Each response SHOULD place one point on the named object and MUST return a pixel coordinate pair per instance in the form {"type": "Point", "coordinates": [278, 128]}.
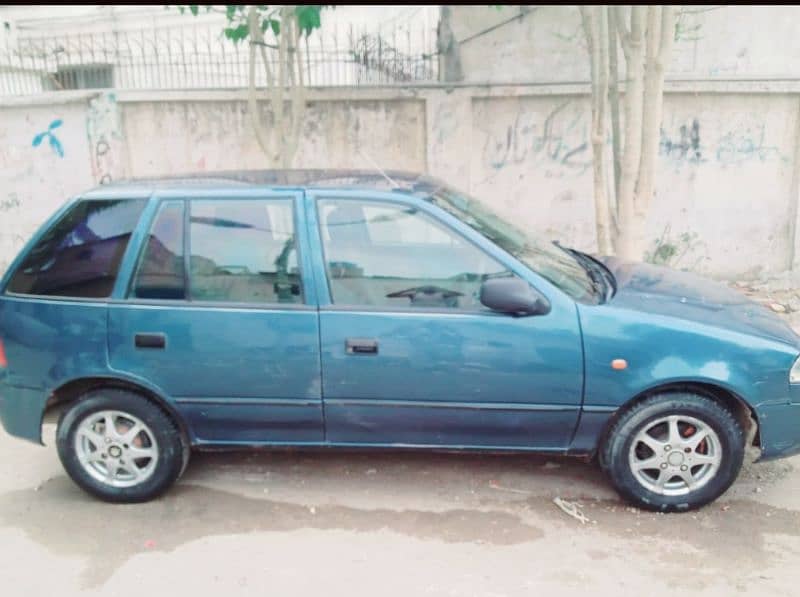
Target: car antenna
{"type": "Point", "coordinates": [378, 168]}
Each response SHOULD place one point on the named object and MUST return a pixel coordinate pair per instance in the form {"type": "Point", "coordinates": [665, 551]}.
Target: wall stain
{"type": "Point", "coordinates": [104, 132]}
{"type": "Point", "coordinates": [10, 202]}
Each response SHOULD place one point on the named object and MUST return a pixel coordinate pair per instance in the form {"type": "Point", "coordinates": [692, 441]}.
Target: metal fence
{"type": "Point", "coordinates": [195, 58]}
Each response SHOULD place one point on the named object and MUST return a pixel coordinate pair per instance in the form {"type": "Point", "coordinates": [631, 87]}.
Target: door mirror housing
{"type": "Point", "coordinates": [513, 296]}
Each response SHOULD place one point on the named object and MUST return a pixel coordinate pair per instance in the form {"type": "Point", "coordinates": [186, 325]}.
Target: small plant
{"type": "Point", "coordinates": [670, 252]}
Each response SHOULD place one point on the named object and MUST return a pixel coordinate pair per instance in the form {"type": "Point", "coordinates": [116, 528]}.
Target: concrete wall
{"type": "Point", "coordinates": [546, 43]}
{"type": "Point", "coordinates": [727, 182]}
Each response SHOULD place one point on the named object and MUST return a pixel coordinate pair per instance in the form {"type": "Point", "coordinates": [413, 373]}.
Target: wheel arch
{"type": "Point", "coordinates": [724, 396]}
{"type": "Point", "coordinates": [72, 390]}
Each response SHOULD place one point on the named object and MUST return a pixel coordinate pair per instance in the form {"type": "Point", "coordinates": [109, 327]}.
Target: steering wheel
{"type": "Point", "coordinates": [430, 296]}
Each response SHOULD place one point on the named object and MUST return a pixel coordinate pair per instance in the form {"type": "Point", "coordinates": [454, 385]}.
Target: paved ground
{"type": "Point", "coordinates": [326, 523]}
{"type": "Point", "coordinates": [392, 523]}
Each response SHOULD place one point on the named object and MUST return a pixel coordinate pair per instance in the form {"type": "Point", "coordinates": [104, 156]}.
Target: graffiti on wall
{"type": "Point", "coordinates": [50, 135]}
{"type": "Point", "coordinates": [105, 138]}
{"type": "Point", "coordinates": [560, 139]}
{"type": "Point", "coordinates": [736, 147]}
{"type": "Point", "coordinates": [685, 146]}
{"type": "Point", "coordinates": [732, 148]}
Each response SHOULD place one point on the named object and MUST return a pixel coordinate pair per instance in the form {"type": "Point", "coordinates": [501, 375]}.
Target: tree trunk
{"type": "Point", "coordinates": [660, 25]}
{"type": "Point", "coordinates": [280, 142]}
{"type": "Point", "coordinates": [631, 240]}
{"type": "Point", "coordinates": [595, 23]}
{"type": "Point", "coordinates": [252, 98]}
{"type": "Point", "coordinates": [613, 95]}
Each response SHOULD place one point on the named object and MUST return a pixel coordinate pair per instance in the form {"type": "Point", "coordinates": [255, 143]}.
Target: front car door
{"type": "Point", "coordinates": [410, 356]}
{"type": "Point", "coordinates": [221, 317]}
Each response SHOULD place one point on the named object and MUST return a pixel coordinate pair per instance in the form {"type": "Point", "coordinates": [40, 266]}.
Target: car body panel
{"type": "Point", "coordinates": [519, 380]}
{"type": "Point", "coordinates": [253, 373]}
{"type": "Point", "coordinates": [657, 290]}
{"type": "Point", "coordinates": [47, 343]}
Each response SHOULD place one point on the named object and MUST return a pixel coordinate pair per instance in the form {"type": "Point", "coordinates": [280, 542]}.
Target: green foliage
{"type": "Point", "coordinates": [237, 29]}
{"type": "Point", "coordinates": [671, 252]}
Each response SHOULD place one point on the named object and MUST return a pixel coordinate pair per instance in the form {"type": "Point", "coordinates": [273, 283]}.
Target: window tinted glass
{"type": "Point", "coordinates": [391, 255]}
{"type": "Point", "coordinates": [80, 255]}
{"type": "Point", "coordinates": [160, 274]}
{"type": "Point", "coordinates": [244, 251]}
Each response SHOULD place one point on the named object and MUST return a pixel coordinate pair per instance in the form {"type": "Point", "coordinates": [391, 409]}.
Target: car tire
{"type": "Point", "coordinates": [673, 452]}
{"type": "Point", "coordinates": [120, 447]}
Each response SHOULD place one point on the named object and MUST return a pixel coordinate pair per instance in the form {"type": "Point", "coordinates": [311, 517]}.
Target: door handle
{"type": "Point", "coordinates": [150, 340]}
{"type": "Point", "coordinates": [361, 346]}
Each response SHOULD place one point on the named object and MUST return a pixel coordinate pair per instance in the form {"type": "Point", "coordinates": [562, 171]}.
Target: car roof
{"type": "Point", "coordinates": [420, 185]}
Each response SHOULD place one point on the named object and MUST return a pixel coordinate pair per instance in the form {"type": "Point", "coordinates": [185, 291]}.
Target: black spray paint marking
{"type": "Point", "coordinates": [685, 147]}
{"type": "Point", "coordinates": [523, 143]}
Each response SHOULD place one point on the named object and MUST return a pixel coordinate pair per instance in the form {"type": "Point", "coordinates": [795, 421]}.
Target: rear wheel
{"type": "Point", "coordinates": [674, 452]}
{"type": "Point", "coordinates": [120, 447]}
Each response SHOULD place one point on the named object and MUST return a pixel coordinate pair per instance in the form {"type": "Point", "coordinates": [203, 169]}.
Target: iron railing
{"type": "Point", "coordinates": [202, 58]}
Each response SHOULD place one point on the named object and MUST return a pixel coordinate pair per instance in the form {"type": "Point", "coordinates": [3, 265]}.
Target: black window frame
{"type": "Point", "coordinates": [130, 290]}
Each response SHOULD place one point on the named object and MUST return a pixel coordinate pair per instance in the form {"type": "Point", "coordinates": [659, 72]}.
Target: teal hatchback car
{"type": "Point", "coordinates": [362, 310]}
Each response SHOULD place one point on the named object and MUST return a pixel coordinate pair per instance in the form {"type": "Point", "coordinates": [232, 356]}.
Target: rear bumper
{"type": "Point", "coordinates": [779, 427]}
{"type": "Point", "coordinates": [21, 411]}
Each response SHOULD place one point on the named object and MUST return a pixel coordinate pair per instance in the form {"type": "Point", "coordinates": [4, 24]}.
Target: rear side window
{"type": "Point", "coordinates": [79, 256]}
{"type": "Point", "coordinates": [244, 251]}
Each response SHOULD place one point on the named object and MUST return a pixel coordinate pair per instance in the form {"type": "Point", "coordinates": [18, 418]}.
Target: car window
{"type": "Point", "coordinates": [80, 255]}
{"type": "Point", "coordinates": [244, 251]}
{"type": "Point", "coordinates": [160, 274]}
{"type": "Point", "coordinates": [380, 254]}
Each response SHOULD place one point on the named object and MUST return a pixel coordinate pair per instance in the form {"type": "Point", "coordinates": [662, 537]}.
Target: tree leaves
{"type": "Point", "coordinates": [238, 33]}
{"type": "Point", "coordinates": [308, 17]}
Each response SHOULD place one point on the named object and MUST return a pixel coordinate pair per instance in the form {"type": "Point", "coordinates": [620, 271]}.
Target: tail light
{"type": "Point", "coordinates": [3, 360]}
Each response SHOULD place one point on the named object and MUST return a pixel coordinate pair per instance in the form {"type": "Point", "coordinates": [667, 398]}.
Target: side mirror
{"type": "Point", "coordinates": [513, 296]}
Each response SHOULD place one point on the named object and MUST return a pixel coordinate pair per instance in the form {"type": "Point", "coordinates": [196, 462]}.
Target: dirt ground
{"type": "Point", "coordinates": [391, 523]}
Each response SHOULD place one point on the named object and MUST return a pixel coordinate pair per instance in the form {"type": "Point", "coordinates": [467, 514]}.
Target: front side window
{"type": "Point", "coordinates": [389, 255]}
{"type": "Point", "coordinates": [551, 262]}
{"type": "Point", "coordinates": [80, 255]}
{"type": "Point", "coordinates": [244, 251]}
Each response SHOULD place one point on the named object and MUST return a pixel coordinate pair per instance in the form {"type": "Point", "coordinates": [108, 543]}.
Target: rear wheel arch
{"type": "Point", "coordinates": [73, 390]}
{"type": "Point", "coordinates": [744, 412]}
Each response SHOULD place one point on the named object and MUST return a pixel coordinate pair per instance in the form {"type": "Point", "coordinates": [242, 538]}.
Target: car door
{"type": "Point", "coordinates": [221, 317]}
{"type": "Point", "coordinates": [409, 354]}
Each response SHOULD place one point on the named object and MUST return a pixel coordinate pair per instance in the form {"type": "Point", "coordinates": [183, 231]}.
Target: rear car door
{"type": "Point", "coordinates": [221, 317]}
{"type": "Point", "coordinates": [409, 354]}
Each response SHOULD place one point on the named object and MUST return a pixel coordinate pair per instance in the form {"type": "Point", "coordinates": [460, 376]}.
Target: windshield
{"type": "Point", "coordinates": [548, 260]}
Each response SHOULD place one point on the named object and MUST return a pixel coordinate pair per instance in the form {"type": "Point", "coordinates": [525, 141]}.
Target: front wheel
{"type": "Point", "coordinates": [674, 452]}
{"type": "Point", "coordinates": [120, 447]}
